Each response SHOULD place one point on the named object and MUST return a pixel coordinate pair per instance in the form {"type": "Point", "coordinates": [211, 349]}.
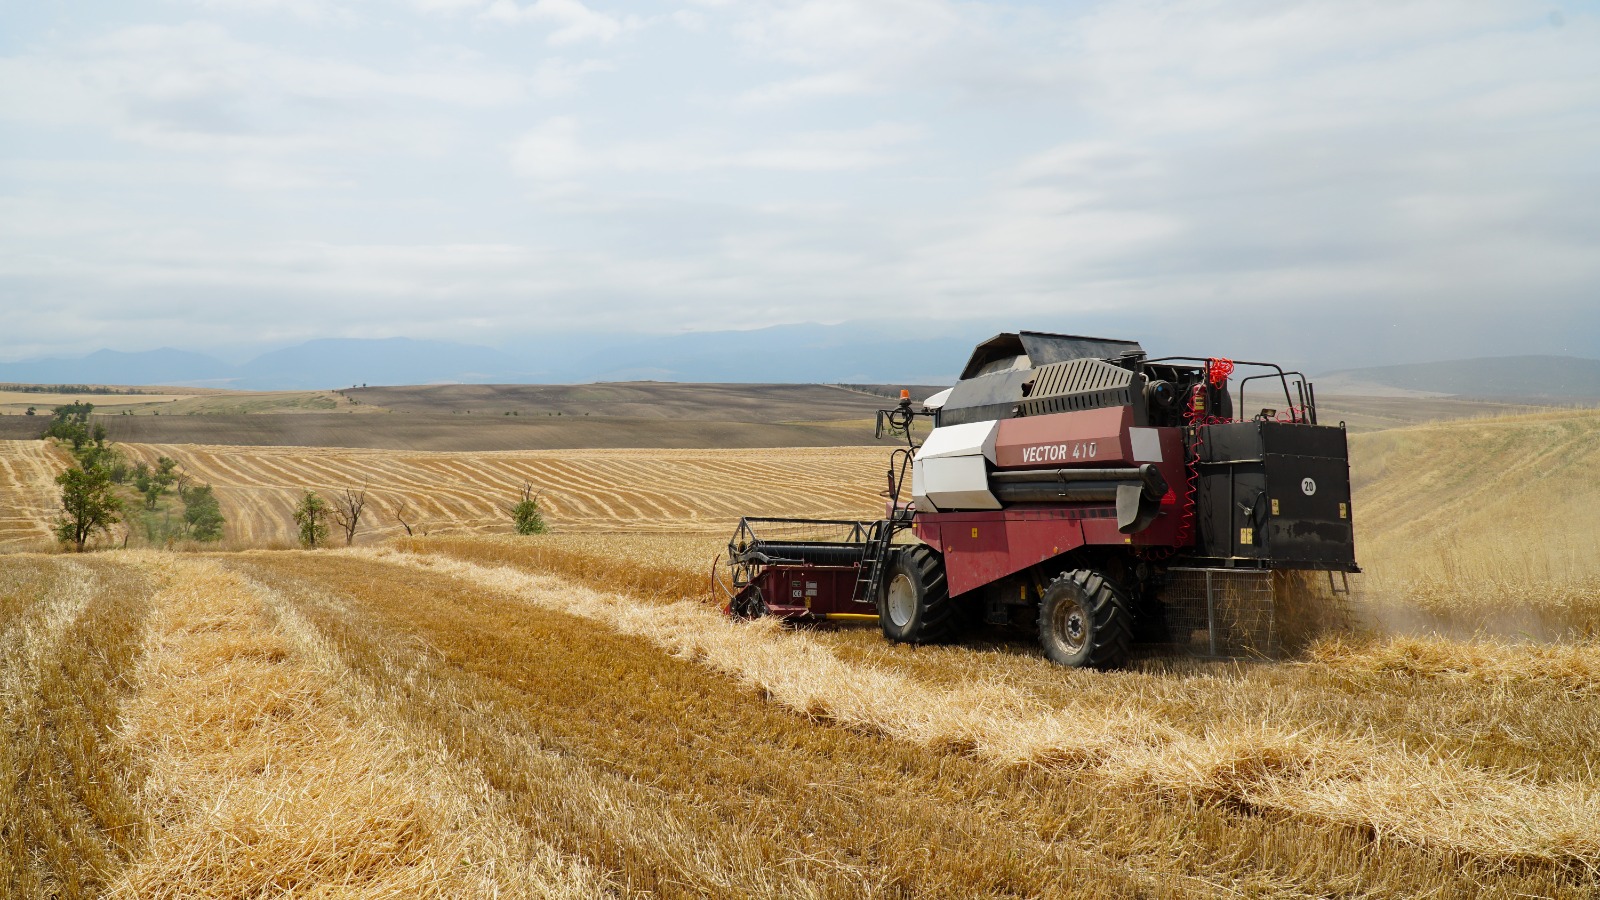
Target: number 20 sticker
{"type": "Point", "coordinates": [1308, 486]}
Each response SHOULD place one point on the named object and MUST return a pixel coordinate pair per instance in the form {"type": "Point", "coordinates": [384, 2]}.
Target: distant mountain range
{"type": "Point", "coordinates": [884, 354]}
{"type": "Point", "coordinates": [1554, 378]}
{"type": "Point", "coordinates": [787, 354]}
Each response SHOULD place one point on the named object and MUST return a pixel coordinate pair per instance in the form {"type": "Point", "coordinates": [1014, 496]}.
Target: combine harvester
{"type": "Point", "coordinates": [1072, 484]}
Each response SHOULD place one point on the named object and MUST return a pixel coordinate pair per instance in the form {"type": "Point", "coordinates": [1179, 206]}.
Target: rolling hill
{"type": "Point", "coordinates": [1557, 379]}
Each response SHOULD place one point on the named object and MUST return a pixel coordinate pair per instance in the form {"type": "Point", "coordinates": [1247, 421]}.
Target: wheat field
{"type": "Point", "coordinates": [28, 492]}
{"type": "Point", "coordinates": [476, 714]}
{"type": "Point", "coordinates": [445, 492]}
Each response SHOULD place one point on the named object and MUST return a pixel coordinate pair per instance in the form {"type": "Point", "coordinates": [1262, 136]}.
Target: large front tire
{"type": "Point", "coordinates": [915, 606]}
{"type": "Point", "coordinates": [1085, 622]}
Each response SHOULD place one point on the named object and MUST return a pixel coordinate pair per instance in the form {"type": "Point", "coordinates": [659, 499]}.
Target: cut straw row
{"type": "Point", "coordinates": [263, 782]}
{"type": "Point", "coordinates": [1393, 793]}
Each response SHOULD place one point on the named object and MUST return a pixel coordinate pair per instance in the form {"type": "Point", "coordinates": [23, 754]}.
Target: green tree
{"type": "Point", "coordinates": [87, 504]}
{"type": "Point", "coordinates": [311, 517]}
{"type": "Point", "coordinates": [202, 514]}
{"type": "Point", "coordinates": [70, 423]}
{"type": "Point", "coordinates": [165, 473]}
{"type": "Point", "coordinates": [104, 456]}
{"type": "Point", "coordinates": [153, 483]}
{"type": "Point", "coordinates": [525, 515]}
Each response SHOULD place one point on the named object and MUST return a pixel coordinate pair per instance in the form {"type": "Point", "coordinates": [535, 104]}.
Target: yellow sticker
{"type": "Point", "coordinates": [974, 532]}
{"type": "Point", "coordinates": [1274, 507]}
{"type": "Point", "coordinates": [1247, 535]}
{"type": "Point", "coordinates": [1344, 511]}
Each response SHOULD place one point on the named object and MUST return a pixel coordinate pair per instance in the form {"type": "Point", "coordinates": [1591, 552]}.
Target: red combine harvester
{"type": "Point", "coordinates": [1073, 484]}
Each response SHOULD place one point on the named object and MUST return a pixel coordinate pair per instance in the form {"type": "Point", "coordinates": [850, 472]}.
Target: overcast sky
{"type": "Point", "coordinates": [228, 174]}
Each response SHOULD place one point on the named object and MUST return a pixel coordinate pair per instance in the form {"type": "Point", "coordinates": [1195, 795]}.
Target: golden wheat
{"type": "Point", "coordinates": [442, 493]}
{"type": "Point", "coordinates": [629, 754]}
{"type": "Point", "coordinates": [28, 494]}
{"type": "Point", "coordinates": [1304, 768]}
{"type": "Point", "coordinates": [261, 782]}
{"type": "Point", "coordinates": [67, 814]}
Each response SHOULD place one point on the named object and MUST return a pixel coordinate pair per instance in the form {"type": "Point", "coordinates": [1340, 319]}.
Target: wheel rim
{"type": "Point", "coordinates": [902, 601]}
{"type": "Point", "coordinates": [1070, 622]}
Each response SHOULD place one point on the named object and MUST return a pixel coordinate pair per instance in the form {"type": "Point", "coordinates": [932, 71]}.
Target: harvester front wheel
{"type": "Point", "coordinates": [915, 606]}
{"type": "Point", "coordinates": [1085, 621]}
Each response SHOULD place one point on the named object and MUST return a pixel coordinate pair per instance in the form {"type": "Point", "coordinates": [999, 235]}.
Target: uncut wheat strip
{"type": "Point", "coordinates": [1569, 668]}
{"type": "Point", "coordinates": [58, 790]}
{"type": "Point", "coordinates": [26, 643]}
{"type": "Point", "coordinates": [629, 811]}
{"type": "Point", "coordinates": [1296, 772]}
{"type": "Point", "coordinates": [260, 778]}
{"type": "Point", "coordinates": [538, 869]}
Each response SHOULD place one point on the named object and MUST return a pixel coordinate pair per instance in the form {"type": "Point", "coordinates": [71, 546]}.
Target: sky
{"type": "Point", "coordinates": [1374, 180]}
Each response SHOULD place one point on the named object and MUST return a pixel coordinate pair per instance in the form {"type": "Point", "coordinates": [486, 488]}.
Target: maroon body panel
{"type": "Point", "coordinates": [984, 546]}
{"type": "Point", "coordinates": [799, 592]}
{"type": "Point", "coordinates": [1090, 437]}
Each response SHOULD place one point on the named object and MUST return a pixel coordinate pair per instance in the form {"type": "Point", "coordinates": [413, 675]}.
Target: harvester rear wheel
{"type": "Point", "coordinates": [1085, 621]}
{"type": "Point", "coordinates": [915, 606]}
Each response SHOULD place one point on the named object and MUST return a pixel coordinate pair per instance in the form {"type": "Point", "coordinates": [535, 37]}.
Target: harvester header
{"type": "Point", "coordinates": [1074, 484]}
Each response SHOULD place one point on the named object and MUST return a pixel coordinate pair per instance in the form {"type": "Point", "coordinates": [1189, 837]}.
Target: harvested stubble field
{"type": "Point", "coordinates": [568, 715]}
{"type": "Point", "coordinates": [28, 492]}
{"type": "Point", "coordinates": [639, 490]}
{"type": "Point", "coordinates": [447, 718]}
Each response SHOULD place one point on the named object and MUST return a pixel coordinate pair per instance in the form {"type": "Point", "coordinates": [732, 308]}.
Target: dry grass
{"type": "Point", "coordinates": [260, 781]}
{"type": "Point", "coordinates": [664, 491]}
{"type": "Point", "coordinates": [652, 566]}
{"type": "Point", "coordinates": [446, 717]}
{"type": "Point", "coordinates": [68, 815]}
{"type": "Point", "coordinates": [1484, 526]}
{"type": "Point", "coordinates": [1300, 770]}
{"type": "Point", "coordinates": [28, 493]}
{"type": "Point", "coordinates": [627, 755]}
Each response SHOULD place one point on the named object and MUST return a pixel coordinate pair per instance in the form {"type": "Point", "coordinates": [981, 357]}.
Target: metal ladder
{"type": "Point", "coordinates": [880, 537]}
{"type": "Point", "coordinates": [869, 578]}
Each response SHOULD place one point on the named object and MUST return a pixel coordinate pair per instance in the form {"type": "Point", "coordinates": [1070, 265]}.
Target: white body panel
{"type": "Point", "coordinates": [951, 470]}
{"type": "Point", "coordinates": [973, 438]}
{"type": "Point", "coordinates": [952, 482]}
{"type": "Point", "coordinates": [937, 400]}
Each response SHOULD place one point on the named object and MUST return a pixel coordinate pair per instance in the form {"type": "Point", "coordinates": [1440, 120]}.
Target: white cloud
{"type": "Point", "coordinates": [556, 77]}
{"type": "Point", "coordinates": [554, 151]}
{"type": "Point", "coordinates": [313, 11]}
{"type": "Point", "coordinates": [551, 152]}
{"type": "Point", "coordinates": [782, 160]}
{"type": "Point", "coordinates": [570, 21]}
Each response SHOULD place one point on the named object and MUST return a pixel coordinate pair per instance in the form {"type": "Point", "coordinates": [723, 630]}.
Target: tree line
{"type": "Point", "coordinates": [312, 514]}
{"type": "Point", "coordinates": [95, 493]}
{"type": "Point", "coordinates": [104, 488]}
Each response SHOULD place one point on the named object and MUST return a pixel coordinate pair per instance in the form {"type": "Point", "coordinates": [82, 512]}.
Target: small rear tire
{"type": "Point", "coordinates": [915, 606]}
{"type": "Point", "coordinates": [1085, 621]}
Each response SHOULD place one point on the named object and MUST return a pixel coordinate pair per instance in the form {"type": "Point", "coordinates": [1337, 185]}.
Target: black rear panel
{"type": "Point", "coordinates": [1275, 493]}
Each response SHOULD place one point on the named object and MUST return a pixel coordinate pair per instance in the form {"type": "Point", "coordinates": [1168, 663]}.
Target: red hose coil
{"type": "Point", "coordinates": [1217, 372]}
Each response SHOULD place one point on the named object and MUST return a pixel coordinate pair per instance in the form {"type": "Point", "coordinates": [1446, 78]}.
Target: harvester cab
{"type": "Point", "coordinates": [1076, 486]}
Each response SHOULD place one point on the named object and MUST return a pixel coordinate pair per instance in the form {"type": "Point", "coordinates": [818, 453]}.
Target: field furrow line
{"type": "Point", "coordinates": [66, 783]}
{"type": "Point", "coordinates": [1493, 816]}
{"type": "Point", "coordinates": [27, 488]}
{"type": "Point", "coordinates": [266, 772]}
{"type": "Point", "coordinates": [628, 756]}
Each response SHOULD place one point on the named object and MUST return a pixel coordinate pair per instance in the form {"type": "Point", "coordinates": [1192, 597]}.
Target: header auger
{"type": "Point", "coordinates": [1076, 485]}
